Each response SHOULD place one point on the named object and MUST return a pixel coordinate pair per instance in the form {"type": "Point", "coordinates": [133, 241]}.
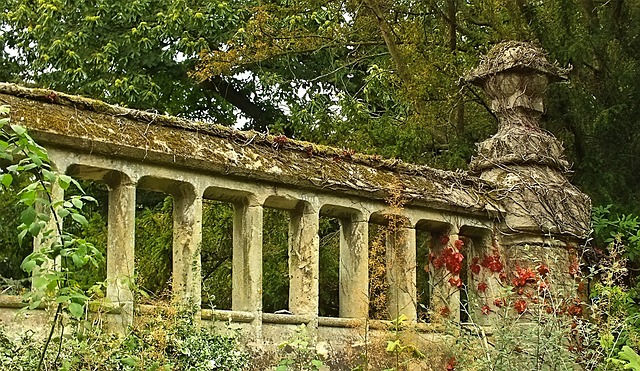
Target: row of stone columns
{"type": "Point", "coordinates": [247, 256]}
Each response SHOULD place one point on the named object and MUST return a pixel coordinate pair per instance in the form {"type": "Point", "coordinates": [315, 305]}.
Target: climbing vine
{"type": "Point", "coordinates": [59, 254]}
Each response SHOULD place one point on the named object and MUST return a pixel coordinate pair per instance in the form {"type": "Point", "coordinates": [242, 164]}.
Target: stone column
{"type": "Point", "coordinates": [121, 244]}
{"type": "Point", "coordinates": [354, 269]}
{"type": "Point", "coordinates": [542, 211]}
{"type": "Point", "coordinates": [247, 261]}
{"type": "Point", "coordinates": [525, 162]}
{"type": "Point", "coordinates": [187, 236]}
{"type": "Point", "coordinates": [483, 285]}
{"type": "Point", "coordinates": [304, 253]}
{"type": "Point", "coordinates": [401, 272]}
{"type": "Point", "coordinates": [445, 296]}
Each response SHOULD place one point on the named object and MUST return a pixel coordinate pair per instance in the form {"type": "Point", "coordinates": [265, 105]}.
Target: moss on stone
{"type": "Point", "coordinates": [209, 147]}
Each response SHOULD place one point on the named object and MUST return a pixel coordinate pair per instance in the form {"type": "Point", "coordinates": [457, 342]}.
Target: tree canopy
{"type": "Point", "coordinates": [375, 76]}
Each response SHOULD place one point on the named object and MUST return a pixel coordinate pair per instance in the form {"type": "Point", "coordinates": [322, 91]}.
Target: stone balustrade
{"type": "Point", "coordinates": [129, 150]}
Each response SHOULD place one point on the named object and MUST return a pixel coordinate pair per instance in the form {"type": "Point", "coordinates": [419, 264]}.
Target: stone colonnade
{"type": "Point", "coordinates": [123, 177]}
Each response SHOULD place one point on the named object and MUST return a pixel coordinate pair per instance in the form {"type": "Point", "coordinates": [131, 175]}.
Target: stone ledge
{"type": "Point", "coordinates": [226, 315]}
{"type": "Point", "coordinates": [85, 125]}
{"type": "Point", "coordinates": [285, 319]}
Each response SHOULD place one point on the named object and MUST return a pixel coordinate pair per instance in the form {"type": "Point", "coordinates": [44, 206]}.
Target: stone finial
{"type": "Point", "coordinates": [516, 55]}
{"type": "Point", "coordinates": [515, 75]}
{"type": "Point", "coordinates": [525, 162]}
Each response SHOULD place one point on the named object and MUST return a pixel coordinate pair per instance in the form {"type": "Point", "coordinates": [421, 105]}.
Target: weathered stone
{"type": "Point", "coordinates": [354, 269]}
{"type": "Point", "coordinates": [525, 163]}
{"type": "Point", "coordinates": [401, 272]}
{"type": "Point", "coordinates": [516, 205]}
{"type": "Point", "coordinates": [121, 244]}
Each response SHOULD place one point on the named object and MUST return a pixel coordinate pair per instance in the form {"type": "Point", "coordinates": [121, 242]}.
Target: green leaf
{"type": "Point", "coordinates": [78, 260]}
{"type": "Point", "coordinates": [63, 213]}
{"type": "Point", "coordinates": [36, 227]}
{"type": "Point", "coordinates": [76, 310]}
{"type": "Point", "coordinates": [28, 167]}
{"type": "Point", "coordinates": [49, 175]}
{"type": "Point", "coordinates": [28, 215]}
{"type": "Point", "coordinates": [77, 202]}
{"type": "Point", "coordinates": [35, 158]}
{"type": "Point", "coordinates": [39, 281]}
{"type": "Point", "coordinates": [6, 179]}
{"type": "Point", "coordinates": [89, 199]}
{"type": "Point", "coordinates": [22, 234]}
{"type": "Point", "coordinates": [64, 181]}
{"type": "Point", "coordinates": [392, 345]}
{"type": "Point", "coordinates": [80, 219]}
{"type": "Point", "coordinates": [28, 265]}
{"type": "Point", "coordinates": [20, 130]}
{"type": "Point", "coordinates": [28, 196]}
{"type": "Point", "coordinates": [78, 296]}
{"type": "Point", "coordinates": [631, 356]}
{"type": "Point", "coordinates": [34, 304]}
{"type": "Point", "coordinates": [62, 299]}
{"type": "Point", "coordinates": [53, 282]}
{"type": "Point", "coordinates": [77, 184]}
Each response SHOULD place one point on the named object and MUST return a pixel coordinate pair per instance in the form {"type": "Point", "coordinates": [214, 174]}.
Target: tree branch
{"type": "Point", "coordinates": [386, 32]}
{"type": "Point", "coordinates": [261, 118]}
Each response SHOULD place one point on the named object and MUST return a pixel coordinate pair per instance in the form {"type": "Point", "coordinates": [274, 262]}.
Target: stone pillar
{"type": "Point", "coordinates": [187, 236]}
{"type": "Point", "coordinates": [526, 163]}
{"type": "Point", "coordinates": [247, 261]}
{"type": "Point", "coordinates": [445, 294]}
{"type": "Point", "coordinates": [543, 212]}
{"type": "Point", "coordinates": [483, 285]}
{"type": "Point", "coordinates": [401, 272]}
{"type": "Point", "coordinates": [354, 269]}
{"type": "Point", "coordinates": [121, 227]}
{"type": "Point", "coordinates": [304, 245]}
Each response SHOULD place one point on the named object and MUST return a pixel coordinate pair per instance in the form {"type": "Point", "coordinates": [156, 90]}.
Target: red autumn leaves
{"type": "Point", "coordinates": [523, 276]}
{"type": "Point", "coordinates": [482, 287]}
{"type": "Point", "coordinates": [451, 259]}
{"type": "Point", "coordinates": [520, 306]}
{"type": "Point", "coordinates": [455, 281]}
{"type": "Point", "coordinates": [492, 262]}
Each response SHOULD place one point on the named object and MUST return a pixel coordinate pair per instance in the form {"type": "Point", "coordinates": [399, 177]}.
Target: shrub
{"type": "Point", "coordinates": [164, 341]}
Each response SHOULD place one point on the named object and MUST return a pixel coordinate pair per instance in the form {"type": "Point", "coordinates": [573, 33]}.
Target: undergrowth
{"type": "Point", "coordinates": [166, 340]}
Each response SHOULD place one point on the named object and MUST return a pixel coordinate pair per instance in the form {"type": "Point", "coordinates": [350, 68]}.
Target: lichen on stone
{"type": "Point", "coordinates": [85, 124]}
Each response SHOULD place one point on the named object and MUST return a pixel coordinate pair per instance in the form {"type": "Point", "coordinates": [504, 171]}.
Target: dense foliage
{"type": "Point", "coordinates": [373, 75]}
{"type": "Point", "coordinates": [166, 341]}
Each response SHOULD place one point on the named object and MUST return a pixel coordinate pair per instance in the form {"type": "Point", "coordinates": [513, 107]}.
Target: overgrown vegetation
{"type": "Point", "coordinates": [58, 253]}
{"type": "Point", "coordinates": [297, 353]}
{"type": "Point", "coordinates": [64, 269]}
{"type": "Point", "coordinates": [370, 75]}
{"type": "Point", "coordinates": [166, 340]}
{"type": "Point", "coordinates": [600, 333]}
